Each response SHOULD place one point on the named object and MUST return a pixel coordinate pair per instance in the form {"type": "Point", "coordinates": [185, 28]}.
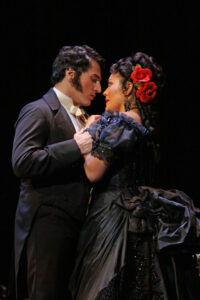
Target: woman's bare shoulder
{"type": "Point", "coordinates": [134, 116]}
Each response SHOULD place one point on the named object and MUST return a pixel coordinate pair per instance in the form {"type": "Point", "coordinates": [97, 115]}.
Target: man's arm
{"type": "Point", "coordinates": [31, 156]}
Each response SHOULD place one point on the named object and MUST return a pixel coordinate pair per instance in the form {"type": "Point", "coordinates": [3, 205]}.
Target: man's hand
{"type": "Point", "coordinates": [84, 141]}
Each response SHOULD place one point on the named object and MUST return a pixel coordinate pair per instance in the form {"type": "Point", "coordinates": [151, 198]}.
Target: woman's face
{"type": "Point", "coordinates": [114, 96]}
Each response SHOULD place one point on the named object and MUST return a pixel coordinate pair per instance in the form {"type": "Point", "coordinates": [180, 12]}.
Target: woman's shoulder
{"type": "Point", "coordinates": [134, 116]}
{"type": "Point", "coordinates": [126, 119]}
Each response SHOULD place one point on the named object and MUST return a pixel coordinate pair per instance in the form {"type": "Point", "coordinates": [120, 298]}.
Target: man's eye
{"type": "Point", "coordinates": [94, 79]}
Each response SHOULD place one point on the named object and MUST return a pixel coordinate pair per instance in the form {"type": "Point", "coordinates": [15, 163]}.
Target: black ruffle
{"type": "Point", "coordinates": [150, 224]}
{"type": "Point", "coordinates": [114, 134]}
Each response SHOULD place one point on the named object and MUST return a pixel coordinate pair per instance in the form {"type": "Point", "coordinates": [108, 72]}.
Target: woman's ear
{"type": "Point", "coordinates": [128, 89]}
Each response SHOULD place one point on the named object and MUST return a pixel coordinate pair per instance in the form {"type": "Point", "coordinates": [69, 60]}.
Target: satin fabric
{"type": "Point", "coordinates": [135, 235]}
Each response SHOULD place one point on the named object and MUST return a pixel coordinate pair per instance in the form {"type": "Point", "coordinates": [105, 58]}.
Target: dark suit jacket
{"type": "Point", "coordinates": [48, 161]}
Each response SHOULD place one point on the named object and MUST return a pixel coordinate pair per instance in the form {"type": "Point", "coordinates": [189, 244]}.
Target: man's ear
{"type": "Point", "coordinates": [70, 74]}
{"type": "Point", "coordinates": [128, 88]}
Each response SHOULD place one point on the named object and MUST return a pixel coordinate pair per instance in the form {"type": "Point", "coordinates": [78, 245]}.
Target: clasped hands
{"type": "Point", "coordinates": [83, 138]}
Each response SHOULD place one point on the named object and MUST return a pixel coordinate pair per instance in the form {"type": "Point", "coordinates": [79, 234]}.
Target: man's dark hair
{"type": "Point", "coordinates": [76, 57]}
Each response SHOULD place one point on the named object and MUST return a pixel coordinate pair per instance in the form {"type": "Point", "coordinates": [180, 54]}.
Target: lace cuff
{"type": "Point", "coordinates": [102, 151]}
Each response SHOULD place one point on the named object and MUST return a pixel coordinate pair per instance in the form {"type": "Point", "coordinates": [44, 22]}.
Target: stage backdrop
{"type": "Point", "coordinates": [33, 32]}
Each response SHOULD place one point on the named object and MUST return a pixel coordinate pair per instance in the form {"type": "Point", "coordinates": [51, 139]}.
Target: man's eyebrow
{"type": "Point", "coordinates": [99, 77]}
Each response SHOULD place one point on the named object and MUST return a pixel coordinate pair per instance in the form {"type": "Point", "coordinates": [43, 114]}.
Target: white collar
{"type": "Point", "coordinates": [67, 102]}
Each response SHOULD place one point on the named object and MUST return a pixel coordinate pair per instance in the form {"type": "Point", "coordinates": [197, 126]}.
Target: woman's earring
{"type": "Point", "coordinates": [127, 104]}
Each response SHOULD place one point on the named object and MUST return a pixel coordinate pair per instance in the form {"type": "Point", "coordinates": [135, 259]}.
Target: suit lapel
{"type": "Point", "coordinates": [63, 121]}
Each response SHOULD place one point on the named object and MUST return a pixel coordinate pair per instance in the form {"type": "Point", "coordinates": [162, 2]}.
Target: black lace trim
{"type": "Point", "coordinates": [102, 151]}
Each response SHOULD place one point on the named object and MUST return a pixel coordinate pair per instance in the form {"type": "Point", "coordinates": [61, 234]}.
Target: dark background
{"type": "Point", "coordinates": [33, 32]}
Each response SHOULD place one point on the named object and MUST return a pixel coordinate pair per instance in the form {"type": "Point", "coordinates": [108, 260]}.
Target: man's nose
{"type": "Point", "coordinates": [98, 87]}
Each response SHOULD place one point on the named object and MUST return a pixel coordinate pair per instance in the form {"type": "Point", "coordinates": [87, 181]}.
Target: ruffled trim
{"type": "Point", "coordinates": [119, 119]}
{"type": "Point", "coordinates": [124, 230]}
{"type": "Point", "coordinates": [108, 134]}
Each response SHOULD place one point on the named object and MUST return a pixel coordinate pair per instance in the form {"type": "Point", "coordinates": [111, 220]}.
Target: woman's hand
{"type": "Point", "coordinates": [91, 119]}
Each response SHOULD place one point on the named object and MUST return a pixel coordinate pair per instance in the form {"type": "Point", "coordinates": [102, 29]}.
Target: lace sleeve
{"type": "Point", "coordinates": [115, 134]}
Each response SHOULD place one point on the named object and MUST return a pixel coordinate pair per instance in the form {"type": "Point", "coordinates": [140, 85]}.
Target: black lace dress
{"type": "Point", "coordinates": [138, 242]}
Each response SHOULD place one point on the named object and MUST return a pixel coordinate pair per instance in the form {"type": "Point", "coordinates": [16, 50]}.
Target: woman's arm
{"type": "Point", "coordinates": [94, 167]}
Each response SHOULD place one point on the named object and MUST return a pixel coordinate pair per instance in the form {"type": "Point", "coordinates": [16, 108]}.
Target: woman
{"type": "Point", "coordinates": [138, 241]}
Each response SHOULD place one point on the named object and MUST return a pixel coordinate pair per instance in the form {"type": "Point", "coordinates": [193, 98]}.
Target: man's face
{"type": "Point", "coordinates": [90, 85]}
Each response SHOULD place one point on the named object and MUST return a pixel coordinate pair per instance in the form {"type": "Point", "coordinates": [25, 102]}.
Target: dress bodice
{"type": "Point", "coordinates": [127, 148]}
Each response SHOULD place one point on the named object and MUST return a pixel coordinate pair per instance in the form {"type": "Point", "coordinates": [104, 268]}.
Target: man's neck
{"type": "Point", "coordinates": [66, 89]}
{"type": "Point", "coordinates": [63, 89]}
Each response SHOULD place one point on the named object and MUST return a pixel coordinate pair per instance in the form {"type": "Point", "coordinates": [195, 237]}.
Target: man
{"type": "Point", "coordinates": [48, 157]}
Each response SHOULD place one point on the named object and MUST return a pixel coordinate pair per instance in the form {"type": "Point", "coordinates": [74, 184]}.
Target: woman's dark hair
{"type": "Point", "coordinates": [148, 110]}
{"type": "Point", "coordinates": [76, 57]}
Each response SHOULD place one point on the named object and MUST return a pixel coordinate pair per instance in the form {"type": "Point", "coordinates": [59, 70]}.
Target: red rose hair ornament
{"type": "Point", "coordinates": [146, 89]}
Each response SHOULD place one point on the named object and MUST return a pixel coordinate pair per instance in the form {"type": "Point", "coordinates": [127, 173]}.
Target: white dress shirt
{"type": "Point", "coordinates": [66, 102]}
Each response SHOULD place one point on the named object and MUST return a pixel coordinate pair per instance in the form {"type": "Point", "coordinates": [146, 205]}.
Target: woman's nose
{"type": "Point", "coordinates": [105, 92]}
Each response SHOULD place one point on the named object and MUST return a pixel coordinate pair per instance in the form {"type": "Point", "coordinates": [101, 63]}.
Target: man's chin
{"type": "Point", "coordinates": [87, 103]}
{"type": "Point", "coordinates": [106, 107]}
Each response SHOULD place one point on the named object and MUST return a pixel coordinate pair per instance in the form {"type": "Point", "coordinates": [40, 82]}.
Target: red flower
{"type": "Point", "coordinates": [147, 91]}
{"type": "Point", "coordinates": [141, 75]}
